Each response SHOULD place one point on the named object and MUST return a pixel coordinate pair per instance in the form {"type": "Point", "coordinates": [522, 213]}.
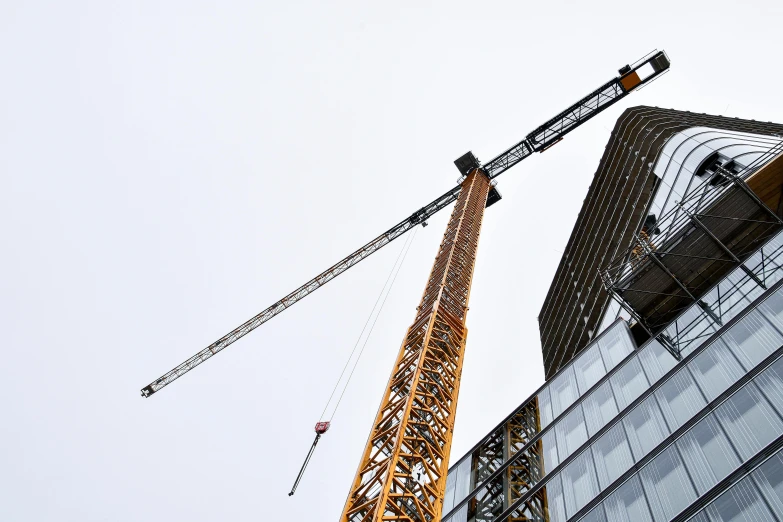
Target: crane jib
{"type": "Point", "coordinates": [632, 77]}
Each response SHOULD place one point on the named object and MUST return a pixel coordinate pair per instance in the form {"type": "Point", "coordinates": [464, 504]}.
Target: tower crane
{"type": "Point", "coordinates": [402, 473]}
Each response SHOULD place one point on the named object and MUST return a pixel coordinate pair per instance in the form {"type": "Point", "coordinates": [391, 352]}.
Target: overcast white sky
{"type": "Point", "coordinates": [169, 169]}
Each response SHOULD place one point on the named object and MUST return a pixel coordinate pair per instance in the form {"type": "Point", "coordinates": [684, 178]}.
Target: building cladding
{"type": "Point", "coordinates": [672, 408]}
{"type": "Point", "coordinates": [616, 204]}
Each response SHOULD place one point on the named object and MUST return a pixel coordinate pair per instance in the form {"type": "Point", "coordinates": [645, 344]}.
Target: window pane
{"type": "Point", "coordinates": [656, 360]}
{"type": "Point", "coordinates": [589, 369]}
{"type": "Point", "coordinates": [627, 503]}
{"type": "Point", "coordinates": [448, 497]}
{"type": "Point", "coordinates": [680, 399]}
{"type": "Point", "coordinates": [645, 427]}
{"type": "Point", "coordinates": [599, 408]}
{"type": "Point", "coordinates": [772, 308]}
{"type": "Point", "coordinates": [612, 455]}
{"type": "Point", "coordinates": [550, 451]}
{"type": "Point", "coordinates": [667, 485]}
{"type": "Point", "coordinates": [544, 408]}
{"type": "Point", "coordinates": [628, 383]}
{"type": "Point", "coordinates": [769, 477]}
{"type": "Point", "coordinates": [571, 432]}
{"type": "Point", "coordinates": [753, 338]}
{"type": "Point", "coordinates": [595, 515]}
{"type": "Point", "coordinates": [749, 421]}
{"type": "Point", "coordinates": [563, 391]}
{"type": "Point", "coordinates": [715, 369]}
{"type": "Point", "coordinates": [615, 346]}
{"type": "Point", "coordinates": [579, 484]}
{"type": "Point", "coordinates": [462, 481]}
{"type": "Point", "coordinates": [771, 383]}
{"type": "Point", "coordinates": [739, 504]}
{"type": "Point", "coordinates": [707, 453]}
{"type": "Point", "coordinates": [554, 496]}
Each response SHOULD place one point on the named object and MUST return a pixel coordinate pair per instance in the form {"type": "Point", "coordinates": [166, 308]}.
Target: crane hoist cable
{"type": "Point", "coordinates": [322, 425]}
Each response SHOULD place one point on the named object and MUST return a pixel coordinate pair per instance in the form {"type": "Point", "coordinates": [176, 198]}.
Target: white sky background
{"type": "Point", "coordinates": [169, 169]}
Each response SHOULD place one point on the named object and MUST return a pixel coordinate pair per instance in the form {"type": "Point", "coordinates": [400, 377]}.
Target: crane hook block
{"type": "Point", "coordinates": [322, 427]}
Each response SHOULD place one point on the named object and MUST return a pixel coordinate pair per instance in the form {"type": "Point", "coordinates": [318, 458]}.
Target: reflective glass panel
{"type": "Point", "coordinates": [612, 455]}
{"type": "Point", "coordinates": [599, 408]}
{"type": "Point", "coordinates": [563, 391]}
{"type": "Point", "coordinates": [550, 451]}
{"type": "Point", "coordinates": [579, 483]}
{"type": "Point", "coordinates": [545, 407]}
{"type": "Point", "coordinates": [627, 503]}
{"type": "Point", "coordinates": [656, 360]}
{"type": "Point", "coordinates": [645, 427]}
{"type": "Point", "coordinates": [554, 496]}
{"type": "Point", "coordinates": [740, 504]}
{"type": "Point", "coordinates": [707, 453]}
{"type": "Point", "coordinates": [771, 383]}
{"type": "Point", "coordinates": [679, 399]}
{"type": "Point", "coordinates": [715, 369]}
{"type": "Point", "coordinates": [749, 421]}
{"type": "Point", "coordinates": [772, 308]}
{"type": "Point", "coordinates": [589, 369]}
{"type": "Point", "coordinates": [628, 383]}
{"type": "Point", "coordinates": [571, 432]}
{"type": "Point", "coordinates": [615, 346]}
{"type": "Point", "coordinates": [752, 339]}
{"type": "Point", "coordinates": [769, 477]}
{"type": "Point", "coordinates": [667, 485]}
{"type": "Point", "coordinates": [595, 515]}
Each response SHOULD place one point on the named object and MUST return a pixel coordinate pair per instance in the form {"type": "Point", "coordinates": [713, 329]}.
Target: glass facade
{"type": "Point", "coordinates": [627, 433]}
{"type": "Point", "coordinates": [682, 165]}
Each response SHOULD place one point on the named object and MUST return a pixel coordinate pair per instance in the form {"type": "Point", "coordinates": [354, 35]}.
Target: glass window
{"type": "Point", "coordinates": [645, 427]}
{"type": "Point", "coordinates": [460, 484]}
{"type": "Point", "coordinates": [628, 503]}
{"type": "Point", "coordinates": [715, 369]}
{"type": "Point", "coordinates": [615, 346]}
{"type": "Point", "coordinates": [571, 432]}
{"type": "Point", "coordinates": [667, 485]}
{"type": "Point", "coordinates": [749, 421]}
{"type": "Point", "coordinates": [599, 408]}
{"type": "Point", "coordinates": [656, 360]}
{"type": "Point", "coordinates": [739, 504]}
{"type": "Point", "coordinates": [771, 383]}
{"type": "Point", "coordinates": [772, 308]}
{"type": "Point", "coordinates": [628, 383]}
{"type": "Point", "coordinates": [554, 496]}
{"type": "Point", "coordinates": [679, 399]}
{"type": "Point", "coordinates": [550, 451]}
{"type": "Point", "coordinates": [544, 408]}
{"type": "Point", "coordinates": [589, 369]}
{"type": "Point", "coordinates": [563, 390]}
{"type": "Point", "coordinates": [769, 477]}
{"type": "Point", "coordinates": [612, 455]}
{"type": "Point", "coordinates": [579, 483]}
{"type": "Point", "coordinates": [753, 338]}
{"type": "Point", "coordinates": [707, 453]}
{"type": "Point", "coordinates": [595, 515]}
{"type": "Point", "coordinates": [448, 497]}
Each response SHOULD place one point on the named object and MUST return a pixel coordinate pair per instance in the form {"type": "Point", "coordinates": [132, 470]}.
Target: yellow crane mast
{"type": "Point", "coordinates": [402, 474]}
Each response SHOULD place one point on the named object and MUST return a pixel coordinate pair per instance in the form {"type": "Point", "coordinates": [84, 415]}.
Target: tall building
{"type": "Point", "coordinates": [662, 337]}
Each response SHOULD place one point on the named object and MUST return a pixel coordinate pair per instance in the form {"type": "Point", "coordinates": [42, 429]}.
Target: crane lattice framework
{"type": "Point", "coordinates": [402, 474]}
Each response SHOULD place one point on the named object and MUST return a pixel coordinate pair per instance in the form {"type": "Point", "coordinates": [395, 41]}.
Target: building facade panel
{"type": "Point", "coordinates": [686, 424]}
